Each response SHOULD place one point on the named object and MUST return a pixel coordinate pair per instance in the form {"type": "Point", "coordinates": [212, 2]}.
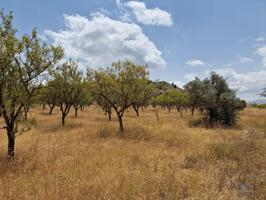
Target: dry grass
{"type": "Point", "coordinates": [163, 159]}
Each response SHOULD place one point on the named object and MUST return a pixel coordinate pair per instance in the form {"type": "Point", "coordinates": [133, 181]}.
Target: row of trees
{"type": "Point", "coordinates": [31, 73]}
{"type": "Point", "coordinates": [66, 88]}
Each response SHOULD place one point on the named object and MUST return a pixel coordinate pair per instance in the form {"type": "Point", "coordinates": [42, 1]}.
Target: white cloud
{"type": "Point", "coordinates": [118, 2]}
{"type": "Point", "coordinates": [260, 39]}
{"type": "Point", "coordinates": [262, 52]}
{"type": "Point", "coordinates": [178, 84]}
{"type": "Point", "coordinates": [190, 76]}
{"type": "Point", "coordinates": [100, 41]}
{"type": "Point", "coordinates": [244, 60]}
{"type": "Point", "coordinates": [241, 60]}
{"type": "Point", "coordinates": [244, 81]}
{"type": "Point", "coordinates": [195, 62]}
{"type": "Point", "coordinates": [154, 16]}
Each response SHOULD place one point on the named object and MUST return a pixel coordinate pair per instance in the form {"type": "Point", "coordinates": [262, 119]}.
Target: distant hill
{"type": "Point", "coordinates": [258, 101]}
{"type": "Point", "coordinates": [164, 86]}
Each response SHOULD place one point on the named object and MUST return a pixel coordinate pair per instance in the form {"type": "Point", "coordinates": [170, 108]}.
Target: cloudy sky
{"type": "Point", "coordinates": [177, 39]}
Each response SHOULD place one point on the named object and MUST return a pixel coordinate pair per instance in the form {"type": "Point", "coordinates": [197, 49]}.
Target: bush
{"type": "Point", "coordinates": [217, 101]}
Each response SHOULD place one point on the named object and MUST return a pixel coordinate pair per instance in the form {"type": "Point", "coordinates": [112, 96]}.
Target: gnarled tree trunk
{"type": "Point", "coordinates": [11, 143]}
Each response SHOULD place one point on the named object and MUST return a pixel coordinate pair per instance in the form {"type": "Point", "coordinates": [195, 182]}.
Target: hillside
{"type": "Point", "coordinates": [165, 86]}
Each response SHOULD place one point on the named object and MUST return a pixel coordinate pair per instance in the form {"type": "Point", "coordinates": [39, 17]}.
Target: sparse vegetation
{"type": "Point", "coordinates": [173, 157]}
{"type": "Point", "coordinates": [155, 159]}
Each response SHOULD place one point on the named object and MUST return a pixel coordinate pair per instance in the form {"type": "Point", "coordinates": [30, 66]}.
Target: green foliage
{"type": "Point", "coordinates": [120, 85]}
{"type": "Point", "coordinates": [195, 90]}
{"type": "Point", "coordinates": [218, 101]}
{"type": "Point", "coordinates": [171, 98]}
{"type": "Point", "coordinates": [67, 88]}
{"type": "Point", "coordinates": [262, 106]}
{"type": "Point", "coordinates": [23, 66]}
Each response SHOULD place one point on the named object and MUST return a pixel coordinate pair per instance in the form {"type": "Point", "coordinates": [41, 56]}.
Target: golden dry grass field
{"type": "Point", "coordinates": [164, 159]}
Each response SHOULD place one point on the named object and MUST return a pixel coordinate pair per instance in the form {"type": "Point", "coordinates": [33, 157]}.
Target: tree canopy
{"type": "Point", "coordinates": [216, 99]}
{"type": "Point", "coordinates": [120, 85]}
{"type": "Point", "coordinates": [23, 65]}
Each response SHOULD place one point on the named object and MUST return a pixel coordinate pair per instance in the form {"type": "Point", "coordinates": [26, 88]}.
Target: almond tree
{"type": "Point", "coordinates": [119, 85]}
{"type": "Point", "coordinates": [145, 95]}
{"type": "Point", "coordinates": [23, 66]}
{"type": "Point", "coordinates": [195, 94]}
{"type": "Point", "coordinates": [65, 87]}
{"type": "Point", "coordinates": [105, 105]}
{"type": "Point", "coordinates": [83, 96]}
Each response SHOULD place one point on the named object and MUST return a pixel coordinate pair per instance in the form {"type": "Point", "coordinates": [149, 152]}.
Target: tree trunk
{"type": "Point", "coordinates": [109, 115]}
{"type": "Point", "coordinates": [121, 127]}
{"type": "Point", "coordinates": [11, 143]}
{"type": "Point", "coordinates": [51, 109]}
{"type": "Point", "coordinates": [63, 119]}
{"type": "Point", "coordinates": [26, 110]}
{"type": "Point", "coordinates": [136, 108]}
{"type": "Point", "coordinates": [76, 112]}
{"type": "Point", "coordinates": [156, 113]}
{"type": "Point", "coordinates": [192, 110]}
{"type": "Point", "coordinates": [64, 110]}
{"type": "Point", "coordinates": [180, 111]}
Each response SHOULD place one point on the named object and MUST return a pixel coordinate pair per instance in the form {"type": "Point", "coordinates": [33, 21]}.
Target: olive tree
{"type": "Point", "coordinates": [221, 106]}
{"type": "Point", "coordinates": [23, 66]}
{"type": "Point", "coordinates": [119, 85]}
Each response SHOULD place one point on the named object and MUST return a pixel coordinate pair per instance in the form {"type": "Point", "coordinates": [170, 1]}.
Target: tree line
{"type": "Point", "coordinates": [32, 72]}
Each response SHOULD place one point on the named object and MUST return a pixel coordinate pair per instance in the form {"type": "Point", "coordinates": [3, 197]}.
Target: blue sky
{"type": "Point", "coordinates": [178, 39]}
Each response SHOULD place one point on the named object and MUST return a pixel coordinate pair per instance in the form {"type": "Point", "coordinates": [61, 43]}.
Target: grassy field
{"type": "Point", "coordinates": [164, 159]}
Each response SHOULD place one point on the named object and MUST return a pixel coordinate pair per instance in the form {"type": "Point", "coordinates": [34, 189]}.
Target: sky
{"type": "Point", "coordinates": [177, 39]}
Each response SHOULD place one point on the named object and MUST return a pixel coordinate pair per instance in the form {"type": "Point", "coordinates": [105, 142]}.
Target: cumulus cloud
{"type": "Point", "coordinates": [195, 62]}
{"type": "Point", "coordinates": [154, 16]}
{"type": "Point", "coordinates": [101, 40]}
{"type": "Point", "coordinates": [262, 52]}
{"type": "Point", "coordinates": [245, 82]}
